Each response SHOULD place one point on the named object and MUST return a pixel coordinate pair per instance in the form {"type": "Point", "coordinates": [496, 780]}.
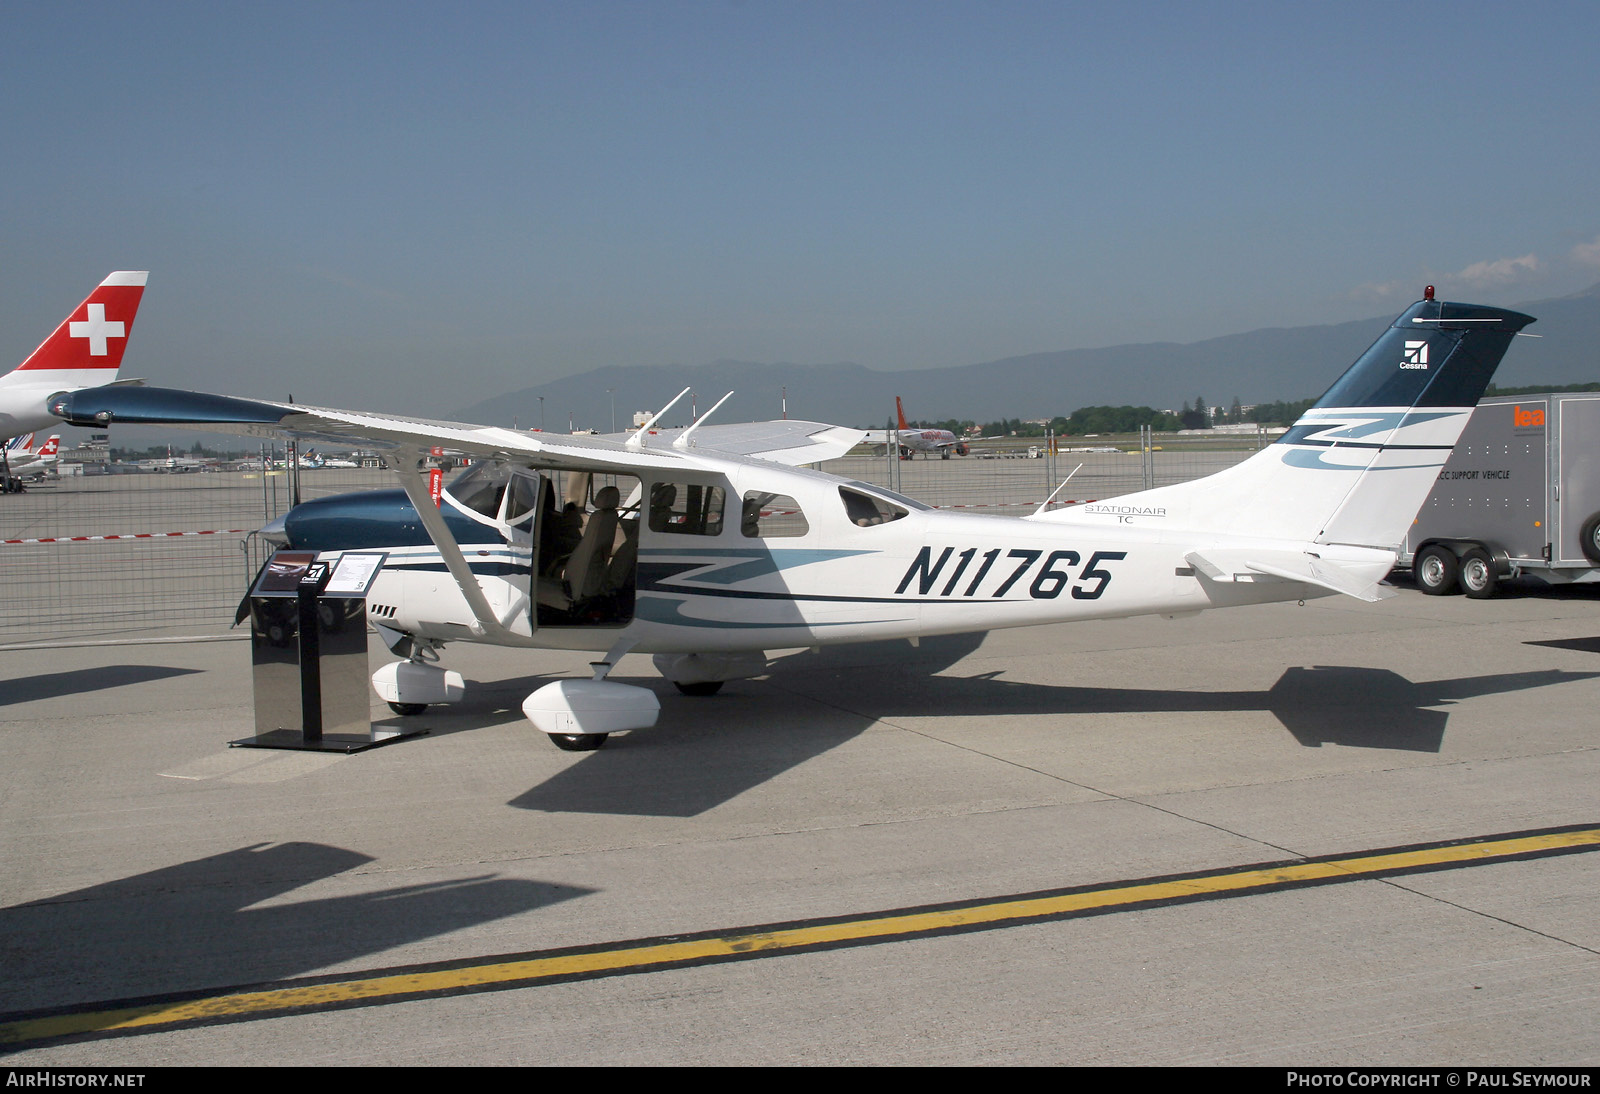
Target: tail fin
{"type": "Point", "coordinates": [900, 412]}
{"type": "Point", "coordinates": [1358, 465]}
{"type": "Point", "coordinates": [49, 449]}
{"type": "Point", "coordinates": [86, 349]}
{"type": "Point", "coordinates": [20, 446]}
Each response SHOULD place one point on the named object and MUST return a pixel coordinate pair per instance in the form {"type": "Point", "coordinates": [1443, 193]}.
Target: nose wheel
{"type": "Point", "coordinates": [704, 687]}
{"type": "Point", "coordinates": [579, 742]}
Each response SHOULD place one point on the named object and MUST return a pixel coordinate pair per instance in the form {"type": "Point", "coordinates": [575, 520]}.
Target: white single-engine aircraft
{"type": "Point", "coordinates": [707, 546]}
{"type": "Point", "coordinates": [84, 351]}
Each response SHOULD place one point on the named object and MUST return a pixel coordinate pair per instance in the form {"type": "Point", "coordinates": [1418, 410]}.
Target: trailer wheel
{"type": "Point", "coordinates": [1589, 539]}
{"type": "Point", "coordinates": [1478, 578]}
{"type": "Point", "coordinates": [1435, 569]}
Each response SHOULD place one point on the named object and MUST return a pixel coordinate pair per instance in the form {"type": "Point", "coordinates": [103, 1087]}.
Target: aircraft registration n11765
{"type": "Point", "coordinates": [709, 545]}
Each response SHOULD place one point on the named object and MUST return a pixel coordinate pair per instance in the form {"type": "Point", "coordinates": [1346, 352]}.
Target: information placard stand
{"type": "Point", "coordinates": [308, 653]}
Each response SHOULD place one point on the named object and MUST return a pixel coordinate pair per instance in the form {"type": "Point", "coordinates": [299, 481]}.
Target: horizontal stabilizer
{"type": "Point", "coordinates": [1236, 564]}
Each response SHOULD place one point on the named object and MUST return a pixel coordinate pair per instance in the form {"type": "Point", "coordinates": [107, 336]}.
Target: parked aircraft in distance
{"type": "Point", "coordinates": [312, 459]}
{"type": "Point", "coordinates": [913, 441]}
{"type": "Point", "coordinates": [708, 546]}
{"type": "Point", "coordinates": [84, 351]}
{"type": "Point", "coordinates": [172, 464]}
{"type": "Point", "coordinates": [26, 461]}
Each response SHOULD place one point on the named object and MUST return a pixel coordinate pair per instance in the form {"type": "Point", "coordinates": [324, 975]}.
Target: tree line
{"type": "Point", "coordinates": [1128, 419]}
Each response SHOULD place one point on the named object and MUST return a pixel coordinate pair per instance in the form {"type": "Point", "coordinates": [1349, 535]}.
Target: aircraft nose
{"type": "Point", "coordinates": [274, 531]}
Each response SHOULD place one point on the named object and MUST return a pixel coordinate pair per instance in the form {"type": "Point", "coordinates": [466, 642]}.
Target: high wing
{"type": "Point", "coordinates": [403, 440]}
{"type": "Point", "coordinates": [785, 442]}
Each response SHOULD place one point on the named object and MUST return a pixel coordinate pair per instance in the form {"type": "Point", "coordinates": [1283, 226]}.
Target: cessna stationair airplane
{"type": "Point", "coordinates": [708, 546]}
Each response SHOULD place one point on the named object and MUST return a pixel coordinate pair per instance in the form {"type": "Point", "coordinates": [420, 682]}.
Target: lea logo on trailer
{"type": "Point", "coordinates": [1533, 416]}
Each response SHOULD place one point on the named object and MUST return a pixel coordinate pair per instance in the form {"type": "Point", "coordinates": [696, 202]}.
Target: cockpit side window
{"type": "Point", "coordinates": [523, 497]}
{"type": "Point", "coordinates": [479, 488]}
{"type": "Point", "coordinates": [865, 510]}
{"type": "Point", "coordinates": [771, 516]}
{"type": "Point", "coordinates": [686, 508]}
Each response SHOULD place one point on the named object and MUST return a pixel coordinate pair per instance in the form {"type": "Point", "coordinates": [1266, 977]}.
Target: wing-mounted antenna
{"type": "Point", "coordinates": [1046, 502]}
{"type": "Point", "coordinates": [637, 440]}
{"type": "Point", "coordinates": [682, 440]}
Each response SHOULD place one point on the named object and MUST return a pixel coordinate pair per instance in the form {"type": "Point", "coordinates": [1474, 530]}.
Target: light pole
{"type": "Point", "coordinates": [541, 414]}
{"type": "Point", "coordinates": [611, 391]}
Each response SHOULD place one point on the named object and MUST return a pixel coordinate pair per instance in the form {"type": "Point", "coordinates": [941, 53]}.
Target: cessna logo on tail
{"type": "Point", "coordinates": [1416, 355]}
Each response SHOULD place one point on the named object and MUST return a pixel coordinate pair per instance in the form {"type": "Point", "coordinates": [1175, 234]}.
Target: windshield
{"type": "Point", "coordinates": [479, 488]}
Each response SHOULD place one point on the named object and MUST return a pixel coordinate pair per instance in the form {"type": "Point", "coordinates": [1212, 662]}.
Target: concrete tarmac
{"type": "Point", "coordinates": [144, 858]}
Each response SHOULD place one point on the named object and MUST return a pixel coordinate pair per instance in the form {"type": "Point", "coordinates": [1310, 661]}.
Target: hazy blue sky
{"type": "Point", "coordinates": [415, 205]}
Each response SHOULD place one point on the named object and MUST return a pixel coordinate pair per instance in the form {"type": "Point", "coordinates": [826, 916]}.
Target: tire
{"type": "Point", "coordinates": [1435, 569]}
{"type": "Point", "coordinates": [1589, 539]}
{"type": "Point", "coordinates": [1477, 575]}
{"type": "Point", "coordinates": [578, 742]}
{"type": "Point", "coordinates": [406, 710]}
{"type": "Point", "coordinates": [707, 687]}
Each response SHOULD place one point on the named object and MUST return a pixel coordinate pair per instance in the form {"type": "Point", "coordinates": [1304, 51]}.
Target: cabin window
{"type": "Point", "coordinates": [686, 509]}
{"type": "Point", "coordinates": [771, 516]}
{"type": "Point", "coordinates": [865, 510]}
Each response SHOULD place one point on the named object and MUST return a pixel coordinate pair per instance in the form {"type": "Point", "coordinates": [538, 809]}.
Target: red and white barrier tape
{"type": "Point", "coordinates": [130, 535]}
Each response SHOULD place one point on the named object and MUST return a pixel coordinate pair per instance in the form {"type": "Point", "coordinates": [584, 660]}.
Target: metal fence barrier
{"type": "Point", "coordinates": [85, 556]}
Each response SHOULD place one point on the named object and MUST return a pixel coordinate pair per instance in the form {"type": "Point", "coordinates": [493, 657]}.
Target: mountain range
{"type": "Point", "coordinates": [1268, 365]}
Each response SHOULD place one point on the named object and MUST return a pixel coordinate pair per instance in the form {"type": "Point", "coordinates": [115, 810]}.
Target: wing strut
{"type": "Point", "coordinates": [487, 625]}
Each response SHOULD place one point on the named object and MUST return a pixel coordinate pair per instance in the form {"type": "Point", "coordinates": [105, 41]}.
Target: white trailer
{"type": "Point", "coordinates": [1520, 495]}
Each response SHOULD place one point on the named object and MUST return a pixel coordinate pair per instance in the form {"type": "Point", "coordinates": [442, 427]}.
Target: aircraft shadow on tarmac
{"type": "Point", "coordinates": [52, 685]}
{"type": "Point", "coordinates": [708, 751]}
{"type": "Point", "coordinates": [200, 925]}
{"type": "Point", "coordinates": [1582, 645]}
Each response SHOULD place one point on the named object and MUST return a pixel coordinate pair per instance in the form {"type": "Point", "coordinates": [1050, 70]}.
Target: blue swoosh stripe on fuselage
{"type": "Point", "coordinates": [664, 610]}
{"type": "Point", "coordinates": [741, 594]}
{"type": "Point", "coordinates": [1311, 458]}
{"type": "Point", "coordinates": [499, 563]}
{"type": "Point", "coordinates": [1342, 425]}
{"type": "Point", "coordinates": [746, 563]}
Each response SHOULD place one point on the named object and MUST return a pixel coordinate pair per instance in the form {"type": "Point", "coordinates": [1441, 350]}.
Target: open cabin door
{"type": "Point", "coordinates": [587, 551]}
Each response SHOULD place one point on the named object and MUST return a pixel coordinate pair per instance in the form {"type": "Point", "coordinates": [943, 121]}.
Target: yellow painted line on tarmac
{"type": "Point", "coordinates": [522, 970]}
